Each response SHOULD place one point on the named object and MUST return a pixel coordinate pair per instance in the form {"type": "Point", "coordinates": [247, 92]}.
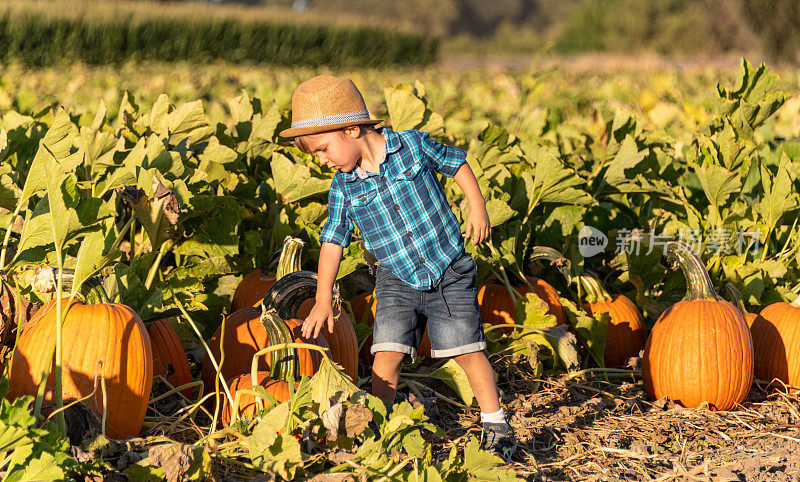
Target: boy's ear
{"type": "Point", "coordinates": [353, 132]}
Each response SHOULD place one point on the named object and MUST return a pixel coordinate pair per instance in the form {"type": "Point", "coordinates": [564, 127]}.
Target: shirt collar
{"type": "Point", "coordinates": [393, 145]}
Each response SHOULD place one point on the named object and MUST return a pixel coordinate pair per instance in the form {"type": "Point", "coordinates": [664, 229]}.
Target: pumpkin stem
{"type": "Point", "coordinates": [736, 297]}
{"type": "Point", "coordinates": [592, 289]}
{"type": "Point", "coordinates": [544, 253]}
{"type": "Point", "coordinates": [283, 363]}
{"type": "Point", "coordinates": [291, 253]}
{"type": "Point", "coordinates": [289, 292]}
{"type": "Point", "coordinates": [678, 254]}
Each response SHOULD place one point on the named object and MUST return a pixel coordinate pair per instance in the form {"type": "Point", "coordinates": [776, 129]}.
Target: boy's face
{"type": "Point", "coordinates": [336, 149]}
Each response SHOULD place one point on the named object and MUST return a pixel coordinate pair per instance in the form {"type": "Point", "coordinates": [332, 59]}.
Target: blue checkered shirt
{"type": "Point", "coordinates": [401, 212]}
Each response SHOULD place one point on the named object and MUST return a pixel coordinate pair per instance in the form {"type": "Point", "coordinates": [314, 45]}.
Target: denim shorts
{"type": "Point", "coordinates": [451, 309]}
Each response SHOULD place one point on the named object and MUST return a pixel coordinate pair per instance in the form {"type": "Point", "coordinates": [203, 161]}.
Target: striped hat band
{"type": "Point", "coordinates": [358, 115]}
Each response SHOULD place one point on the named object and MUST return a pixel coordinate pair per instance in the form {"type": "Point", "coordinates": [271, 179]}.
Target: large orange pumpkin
{"type": "Point", "coordinates": [776, 342]}
{"type": "Point", "coordinates": [255, 284]}
{"type": "Point", "coordinates": [246, 334]}
{"type": "Point", "coordinates": [700, 349]}
{"type": "Point", "coordinates": [169, 358]}
{"type": "Point", "coordinates": [109, 332]}
{"type": "Point", "coordinates": [626, 334]}
{"type": "Point", "coordinates": [295, 290]}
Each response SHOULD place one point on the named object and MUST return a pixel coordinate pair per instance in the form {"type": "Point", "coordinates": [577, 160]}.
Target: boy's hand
{"type": "Point", "coordinates": [478, 225]}
{"type": "Point", "coordinates": [320, 313]}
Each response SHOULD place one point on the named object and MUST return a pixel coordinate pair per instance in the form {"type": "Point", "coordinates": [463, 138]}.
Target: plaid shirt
{"type": "Point", "coordinates": [402, 212]}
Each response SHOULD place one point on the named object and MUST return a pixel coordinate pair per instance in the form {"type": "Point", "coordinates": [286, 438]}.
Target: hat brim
{"type": "Point", "coordinates": [304, 131]}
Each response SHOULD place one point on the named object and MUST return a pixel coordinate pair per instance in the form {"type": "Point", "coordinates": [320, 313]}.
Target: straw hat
{"type": "Point", "coordinates": [325, 103]}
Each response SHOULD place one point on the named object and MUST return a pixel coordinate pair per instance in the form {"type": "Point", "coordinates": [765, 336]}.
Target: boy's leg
{"type": "Point", "coordinates": [385, 373]}
{"type": "Point", "coordinates": [395, 332]}
{"type": "Point", "coordinates": [481, 379]}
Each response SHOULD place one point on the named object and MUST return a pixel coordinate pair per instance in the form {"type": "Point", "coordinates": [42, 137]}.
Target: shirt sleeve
{"type": "Point", "coordinates": [338, 228]}
{"type": "Point", "coordinates": [441, 157]}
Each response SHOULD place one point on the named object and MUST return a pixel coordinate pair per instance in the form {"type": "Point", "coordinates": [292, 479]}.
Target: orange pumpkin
{"type": "Point", "coordinates": [169, 359]}
{"type": "Point", "coordinates": [247, 406]}
{"type": "Point", "coordinates": [293, 294]}
{"type": "Point", "coordinates": [626, 334]}
{"type": "Point", "coordinates": [700, 349]}
{"type": "Point", "coordinates": [109, 332]}
{"type": "Point", "coordinates": [776, 343]}
{"type": "Point", "coordinates": [255, 284]}
{"type": "Point", "coordinates": [497, 307]}
{"type": "Point", "coordinates": [245, 334]}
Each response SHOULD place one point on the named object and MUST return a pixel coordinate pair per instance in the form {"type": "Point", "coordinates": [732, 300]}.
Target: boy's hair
{"type": "Point", "coordinates": [300, 142]}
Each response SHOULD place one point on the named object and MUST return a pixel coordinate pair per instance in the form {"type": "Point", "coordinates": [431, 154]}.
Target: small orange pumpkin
{"type": "Point", "coordinates": [109, 332]}
{"type": "Point", "coordinates": [247, 402]}
{"type": "Point", "coordinates": [776, 343]}
{"type": "Point", "coordinates": [169, 358]}
{"type": "Point", "coordinates": [626, 334]}
{"type": "Point", "coordinates": [700, 349]}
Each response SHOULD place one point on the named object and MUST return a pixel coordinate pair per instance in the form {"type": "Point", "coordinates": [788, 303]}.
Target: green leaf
{"type": "Point", "coordinates": [96, 252]}
{"type": "Point", "coordinates": [482, 465]}
{"type": "Point", "coordinates": [41, 467]}
{"type": "Point", "coordinates": [266, 430]}
{"type": "Point", "coordinates": [499, 212]}
{"type": "Point", "coordinates": [778, 198]}
{"type": "Point", "coordinates": [216, 152]}
{"type": "Point", "coordinates": [293, 181]}
{"type": "Point", "coordinates": [188, 121]}
{"type": "Point", "coordinates": [406, 110]}
{"type": "Point", "coordinates": [718, 183]}
{"type": "Point", "coordinates": [283, 457]}
{"type": "Point", "coordinates": [63, 199]}
{"type": "Point", "coordinates": [627, 157]}
{"type": "Point", "coordinates": [56, 144]}
{"type": "Point", "coordinates": [552, 182]}
{"type": "Point", "coordinates": [455, 377]}
{"type": "Point", "coordinates": [9, 192]}
{"type": "Point", "coordinates": [330, 386]}
{"type": "Point", "coordinates": [590, 329]}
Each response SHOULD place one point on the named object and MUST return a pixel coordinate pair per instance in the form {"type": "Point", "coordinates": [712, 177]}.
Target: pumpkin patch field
{"type": "Point", "coordinates": [639, 292]}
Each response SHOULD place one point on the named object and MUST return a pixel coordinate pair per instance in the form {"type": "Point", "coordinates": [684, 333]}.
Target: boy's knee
{"type": "Point", "coordinates": [389, 358]}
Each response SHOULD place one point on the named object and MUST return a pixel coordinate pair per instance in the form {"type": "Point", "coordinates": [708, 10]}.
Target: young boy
{"type": "Point", "coordinates": [386, 184]}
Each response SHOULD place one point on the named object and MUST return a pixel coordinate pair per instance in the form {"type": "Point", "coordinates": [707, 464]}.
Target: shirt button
{"type": "Point", "coordinates": [422, 260]}
{"type": "Point", "coordinates": [408, 233]}
{"type": "Point", "coordinates": [383, 178]}
{"type": "Point", "coordinates": [396, 207]}
{"type": "Point", "coordinates": [408, 173]}
{"type": "Point", "coordinates": [363, 198]}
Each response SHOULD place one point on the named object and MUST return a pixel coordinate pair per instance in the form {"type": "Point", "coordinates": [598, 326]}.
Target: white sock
{"type": "Point", "coordinates": [494, 417]}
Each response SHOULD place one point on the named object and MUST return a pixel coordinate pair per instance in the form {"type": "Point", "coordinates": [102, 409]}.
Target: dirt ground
{"type": "Point", "coordinates": [596, 430]}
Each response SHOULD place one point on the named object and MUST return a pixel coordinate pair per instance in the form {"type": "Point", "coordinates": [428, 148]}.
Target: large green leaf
{"type": "Point", "coordinates": [628, 156]}
{"type": "Point", "coordinates": [97, 251]}
{"type": "Point", "coordinates": [56, 144]}
{"type": "Point", "coordinates": [293, 181]}
{"type": "Point", "coordinates": [481, 465]}
{"type": "Point", "coordinates": [406, 110]}
{"type": "Point", "coordinates": [778, 198]}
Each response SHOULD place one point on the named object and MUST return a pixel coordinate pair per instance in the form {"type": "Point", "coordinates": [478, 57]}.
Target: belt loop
{"type": "Point", "coordinates": [441, 294]}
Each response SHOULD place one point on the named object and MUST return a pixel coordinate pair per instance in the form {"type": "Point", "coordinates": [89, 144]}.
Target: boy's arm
{"type": "Point", "coordinates": [329, 257]}
{"type": "Point", "coordinates": [452, 162]}
{"type": "Point", "coordinates": [335, 235]}
{"type": "Point", "coordinates": [478, 223]}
